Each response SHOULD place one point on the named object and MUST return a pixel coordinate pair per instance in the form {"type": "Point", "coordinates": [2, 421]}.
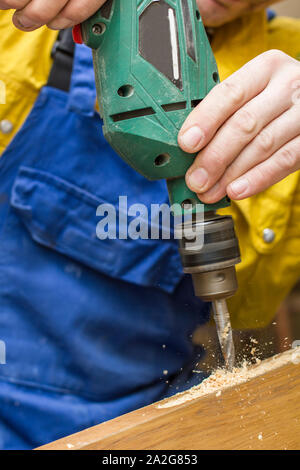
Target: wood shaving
{"type": "Point", "coordinates": [226, 331]}
{"type": "Point", "coordinates": [222, 379]}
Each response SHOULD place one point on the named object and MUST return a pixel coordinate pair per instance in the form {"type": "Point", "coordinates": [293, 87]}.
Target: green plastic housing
{"type": "Point", "coordinates": [153, 65]}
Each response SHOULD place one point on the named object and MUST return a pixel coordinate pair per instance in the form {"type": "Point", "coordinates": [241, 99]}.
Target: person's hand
{"type": "Point", "coordinates": [56, 14]}
{"type": "Point", "coordinates": [247, 130]}
{"type": "Point", "coordinates": [217, 12]}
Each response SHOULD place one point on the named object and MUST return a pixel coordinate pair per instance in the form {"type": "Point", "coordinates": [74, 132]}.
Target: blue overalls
{"type": "Point", "coordinates": [93, 328]}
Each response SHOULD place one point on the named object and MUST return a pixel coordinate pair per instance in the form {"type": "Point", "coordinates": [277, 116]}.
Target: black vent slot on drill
{"type": "Point", "coordinates": [174, 106]}
{"type": "Point", "coordinates": [195, 103]}
{"type": "Point", "coordinates": [132, 114]}
{"type": "Point", "coordinates": [105, 11]}
{"type": "Point", "coordinates": [188, 28]}
{"type": "Point", "coordinates": [158, 40]}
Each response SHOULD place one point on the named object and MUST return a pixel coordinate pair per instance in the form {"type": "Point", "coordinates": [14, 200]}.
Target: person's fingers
{"type": "Point", "coordinates": [225, 99]}
{"type": "Point", "coordinates": [273, 137]}
{"type": "Point", "coordinates": [76, 11]}
{"type": "Point", "coordinates": [37, 13]}
{"type": "Point", "coordinates": [57, 14]}
{"type": "Point", "coordinates": [13, 4]}
{"type": "Point", "coordinates": [238, 132]}
{"type": "Point", "coordinates": [267, 173]}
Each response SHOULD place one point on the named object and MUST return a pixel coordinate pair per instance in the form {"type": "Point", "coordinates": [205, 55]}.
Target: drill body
{"type": "Point", "coordinates": [153, 64]}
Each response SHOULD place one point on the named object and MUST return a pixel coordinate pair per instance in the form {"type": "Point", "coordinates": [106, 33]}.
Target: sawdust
{"type": "Point", "coordinates": [226, 332]}
{"type": "Point", "coordinates": [222, 379]}
{"type": "Point", "coordinates": [253, 351]}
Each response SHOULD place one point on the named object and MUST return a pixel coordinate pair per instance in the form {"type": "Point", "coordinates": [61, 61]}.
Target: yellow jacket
{"type": "Point", "coordinates": [268, 271]}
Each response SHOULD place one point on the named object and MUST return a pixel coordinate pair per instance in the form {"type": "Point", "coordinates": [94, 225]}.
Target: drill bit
{"type": "Point", "coordinates": [222, 320]}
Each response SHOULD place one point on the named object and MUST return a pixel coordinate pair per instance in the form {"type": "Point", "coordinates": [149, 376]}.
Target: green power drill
{"type": "Point", "coordinates": [153, 64]}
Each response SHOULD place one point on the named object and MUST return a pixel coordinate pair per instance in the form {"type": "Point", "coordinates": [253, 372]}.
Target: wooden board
{"type": "Point", "coordinates": [263, 413]}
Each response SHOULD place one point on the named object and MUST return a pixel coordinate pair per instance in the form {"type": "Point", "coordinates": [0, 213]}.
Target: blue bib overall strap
{"type": "Point", "coordinates": [63, 54]}
{"type": "Point", "coordinates": [271, 14]}
{"type": "Point", "coordinates": [93, 328]}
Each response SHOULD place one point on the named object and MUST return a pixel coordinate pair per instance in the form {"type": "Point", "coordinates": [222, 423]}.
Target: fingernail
{"type": "Point", "coordinates": [239, 187]}
{"type": "Point", "coordinates": [198, 179]}
{"type": "Point", "coordinates": [24, 22]}
{"type": "Point", "coordinates": [192, 138]}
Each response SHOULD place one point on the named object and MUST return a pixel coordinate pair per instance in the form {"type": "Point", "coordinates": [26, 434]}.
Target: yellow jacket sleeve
{"type": "Point", "coordinates": [25, 61]}
{"type": "Point", "coordinates": [268, 270]}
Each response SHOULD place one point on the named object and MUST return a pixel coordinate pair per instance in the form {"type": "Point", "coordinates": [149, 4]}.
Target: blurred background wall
{"type": "Point", "coordinates": [288, 7]}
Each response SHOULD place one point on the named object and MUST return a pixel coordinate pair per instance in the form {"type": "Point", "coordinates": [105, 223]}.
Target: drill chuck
{"type": "Point", "coordinates": [212, 262]}
{"type": "Point", "coordinates": [209, 251]}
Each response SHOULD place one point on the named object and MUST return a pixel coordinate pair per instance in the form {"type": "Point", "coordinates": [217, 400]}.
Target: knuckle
{"type": "Point", "coordinates": [245, 121]}
{"type": "Point", "coordinates": [215, 158]}
{"type": "Point", "coordinates": [233, 91]}
{"type": "Point", "coordinates": [265, 140]}
{"type": "Point", "coordinates": [275, 56]}
{"type": "Point", "coordinates": [288, 158]}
